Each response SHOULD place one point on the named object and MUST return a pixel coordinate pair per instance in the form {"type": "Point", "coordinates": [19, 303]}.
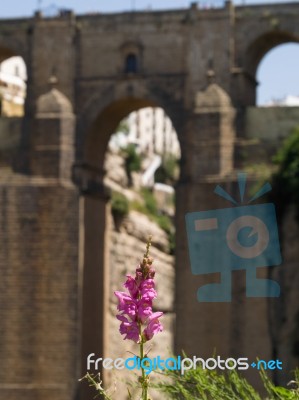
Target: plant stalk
{"type": "Point", "coordinates": [144, 380]}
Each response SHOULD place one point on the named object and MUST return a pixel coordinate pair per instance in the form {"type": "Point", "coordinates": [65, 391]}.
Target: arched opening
{"type": "Point", "coordinates": [256, 51]}
{"type": "Point", "coordinates": [277, 76]}
{"type": "Point", "coordinates": [274, 61]}
{"type": "Point", "coordinates": [141, 168]}
{"type": "Point", "coordinates": [104, 241]}
{"type": "Point", "coordinates": [131, 64]}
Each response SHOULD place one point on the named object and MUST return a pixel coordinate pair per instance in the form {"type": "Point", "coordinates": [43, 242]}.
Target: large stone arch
{"type": "Point", "coordinates": [252, 43]}
{"type": "Point", "coordinates": [258, 48]}
{"type": "Point", "coordinates": [88, 53]}
{"type": "Point", "coordinates": [106, 108]}
{"type": "Point", "coordinates": [95, 124]}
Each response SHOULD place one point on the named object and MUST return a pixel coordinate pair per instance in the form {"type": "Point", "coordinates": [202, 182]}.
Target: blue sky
{"type": "Point", "coordinates": [22, 8]}
{"type": "Point", "coordinates": [278, 72]}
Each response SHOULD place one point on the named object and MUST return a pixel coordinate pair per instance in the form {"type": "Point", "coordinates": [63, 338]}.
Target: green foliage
{"type": "Point", "coordinates": [132, 161]}
{"type": "Point", "coordinates": [204, 384]}
{"type": "Point", "coordinates": [150, 201]}
{"type": "Point", "coordinates": [167, 171]}
{"type": "Point", "coordinates": [278, 392]}
{"type": "Point", "coordinates": [123, 127]}
{"type": "Point", "coordinates": [286, 181]}
{"type": "Point", "coordinates": [119, 204]}
{"type": "Point", "coordinates": [150, 208]}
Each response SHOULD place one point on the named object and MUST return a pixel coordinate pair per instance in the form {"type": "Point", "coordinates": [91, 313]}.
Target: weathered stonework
{"type": "Point", "coordinates": [55, 235]}
{"type": "Point", "coordinates": [39, 286]}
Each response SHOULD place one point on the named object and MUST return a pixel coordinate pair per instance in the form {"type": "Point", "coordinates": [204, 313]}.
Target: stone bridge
{"type": "Point", "coordinates": [85, 73]}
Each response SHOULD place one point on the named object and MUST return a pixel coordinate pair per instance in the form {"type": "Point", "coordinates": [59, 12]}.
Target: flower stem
{"type": "Point", "coordinates": [144, 379]}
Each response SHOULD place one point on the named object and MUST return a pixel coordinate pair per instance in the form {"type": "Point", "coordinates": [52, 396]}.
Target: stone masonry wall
{"type": "Point", "coordinates": [38, 289]}
{"type": "Point", "coordinates": [10, 134]}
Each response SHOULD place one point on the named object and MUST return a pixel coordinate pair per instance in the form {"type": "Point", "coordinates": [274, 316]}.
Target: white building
{"type": "Point", "coordinates": [12, 86]}
{"type": "Point", "coordinates": [287, 101]}
{"type": "Point", "coordinates": [153, 131]}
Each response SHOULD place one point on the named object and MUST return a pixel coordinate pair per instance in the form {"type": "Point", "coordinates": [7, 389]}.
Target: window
{"type": "Point", "coordinates": [131, 65]}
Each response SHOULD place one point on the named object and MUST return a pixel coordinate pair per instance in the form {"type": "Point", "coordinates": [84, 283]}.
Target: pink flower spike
{"type": "Point", "coordinates": [128, 328]}
{"type": "Point", "coordinates": [155, 315]}
{"type": "Point", "coordinates": [131, 285]}
{"type": "Point", "coordinates": [147, 289]}
{"type": "Point", "coordinates": [126, 304]}
{"type": "Point", "coordinates": [122, 298]}
{"type": "Point", "coordinates": [147, 284]}
{"type": "Point", "coordinates": [144, 310]}
{"type": "Point", "coordinates": [135, 305]}
{"type": "Point", "coordinates": [122, 318]}
{"type": "Point", "coordinates": [148, 295]}
{"type": "Point", "coordinates": [154, 326]}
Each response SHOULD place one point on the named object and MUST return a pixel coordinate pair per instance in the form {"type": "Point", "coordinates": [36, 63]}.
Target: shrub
{"type": "Point", "coordinates": [123, 127]}
{"type": "Point", "coordinates": [167, 171]}
{"type": "Point", "coordinates": [132, 161]}
{"type": "Point", "coordinates": [150, 202]}
{"type": "Point", "coordinates": [286, 181]}
{"type": "Point", "coordinates": [119, 204]}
